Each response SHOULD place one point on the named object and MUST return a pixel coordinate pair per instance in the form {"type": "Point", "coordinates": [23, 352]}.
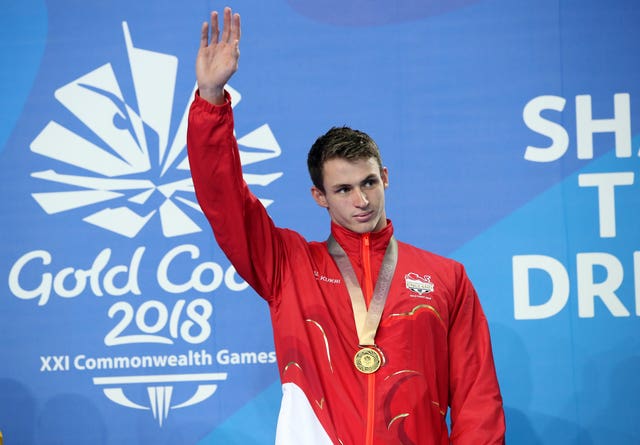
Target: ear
{"type": "Point", "coordinates": [319, 197]}
{"type": "Point", "coordinates": [384, 174]}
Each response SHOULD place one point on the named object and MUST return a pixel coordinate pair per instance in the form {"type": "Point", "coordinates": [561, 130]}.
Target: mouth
{"type": "Point", "coordinates": [364, 216]}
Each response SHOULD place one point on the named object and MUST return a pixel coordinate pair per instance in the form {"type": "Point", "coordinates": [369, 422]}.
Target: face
{"type": "Point", "coordinates": [354, 193]}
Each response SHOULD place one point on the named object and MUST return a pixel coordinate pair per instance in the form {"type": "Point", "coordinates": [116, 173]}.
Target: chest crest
{"type": "Point", "coordinates": [418, 285]}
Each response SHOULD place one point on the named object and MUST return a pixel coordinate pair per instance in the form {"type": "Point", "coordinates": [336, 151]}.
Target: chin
{"type": "Point", "coordinates": [364, 228]}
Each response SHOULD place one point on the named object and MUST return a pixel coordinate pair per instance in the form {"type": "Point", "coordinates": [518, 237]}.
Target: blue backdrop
{"type": "Point", "coordinates": [512, 137]}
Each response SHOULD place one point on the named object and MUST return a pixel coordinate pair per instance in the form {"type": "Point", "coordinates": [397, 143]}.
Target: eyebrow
{"type": "Point", "coordinates": [369, 177]}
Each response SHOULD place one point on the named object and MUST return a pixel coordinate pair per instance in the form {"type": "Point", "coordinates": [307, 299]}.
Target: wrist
{"type": "Point", "coordinates": [213, 95]}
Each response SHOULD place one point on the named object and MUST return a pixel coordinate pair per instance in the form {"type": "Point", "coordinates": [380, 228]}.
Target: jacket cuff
{"type": "Point", "coordinates": [208, 106]}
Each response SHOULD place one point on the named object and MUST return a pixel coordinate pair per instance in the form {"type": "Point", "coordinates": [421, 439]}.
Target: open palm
{"type": "Point", "coordinates": [217, 59]}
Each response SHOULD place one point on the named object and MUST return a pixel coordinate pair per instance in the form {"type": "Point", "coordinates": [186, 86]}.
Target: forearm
{"type": "Point", "coordinates": [239, 221]}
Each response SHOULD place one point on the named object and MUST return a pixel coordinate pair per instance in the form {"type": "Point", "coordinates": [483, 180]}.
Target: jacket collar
{"type": "Point", "coordinates": [351, 242]}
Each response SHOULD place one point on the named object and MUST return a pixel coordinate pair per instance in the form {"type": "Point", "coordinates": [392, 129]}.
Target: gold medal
{"type": "Point", "coordinates": [368, 360]}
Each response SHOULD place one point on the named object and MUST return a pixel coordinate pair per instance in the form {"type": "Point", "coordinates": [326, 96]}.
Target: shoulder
{"type": "Point", "coordinates": [426, 255]}
{"type": "Point", "coordinates": [447, 269]}
{"type": "Point", "coordinates": [295, 242]}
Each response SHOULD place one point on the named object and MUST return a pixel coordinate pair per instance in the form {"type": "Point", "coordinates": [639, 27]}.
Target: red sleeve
{"type": "Point", "coordinates": [242, 227]}
{"type": "Point", "coordinates": [477, 416]}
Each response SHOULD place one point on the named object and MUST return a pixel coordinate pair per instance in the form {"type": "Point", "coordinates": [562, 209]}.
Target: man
{"type": "Point", "coordinates": [375, 339]}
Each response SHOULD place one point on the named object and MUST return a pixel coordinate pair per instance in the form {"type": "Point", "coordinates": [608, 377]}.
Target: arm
{"type": "Point", "coordinates": [240, 223]}
{"type": "Point", "coordinates": [477, 416]}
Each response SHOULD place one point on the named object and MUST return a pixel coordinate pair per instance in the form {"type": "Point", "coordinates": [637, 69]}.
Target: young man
{"type": "Point", "coordinates": [375, 338]}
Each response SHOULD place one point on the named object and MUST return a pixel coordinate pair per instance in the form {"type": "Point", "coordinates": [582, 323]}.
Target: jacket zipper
{"type": "Point", "coordinates": [371, 379]}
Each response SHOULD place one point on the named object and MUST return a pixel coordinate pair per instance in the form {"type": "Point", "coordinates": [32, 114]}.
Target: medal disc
{"type": "Point", "coordinates": [367, 360]}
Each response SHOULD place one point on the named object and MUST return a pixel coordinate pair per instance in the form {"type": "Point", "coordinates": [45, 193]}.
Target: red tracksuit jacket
{"type": "Point", "coordinates": [433, 332]}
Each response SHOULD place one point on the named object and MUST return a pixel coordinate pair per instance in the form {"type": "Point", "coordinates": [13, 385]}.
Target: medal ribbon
{"type": "Point", "coordinates": [367, 321]}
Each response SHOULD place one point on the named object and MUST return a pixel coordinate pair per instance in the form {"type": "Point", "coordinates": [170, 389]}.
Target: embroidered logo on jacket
{"type": "Point", "coordinates": [321, 277]}
{"type": "Point", "coordinates": [418, 284]}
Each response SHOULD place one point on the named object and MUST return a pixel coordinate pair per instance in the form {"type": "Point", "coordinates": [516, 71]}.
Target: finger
{"type": "Point", "coordinates": [235, 37]}
{"type": "Point", "coordinates": [226, 25]}
{"type": "Point", "coordinates": [215, 30]}
{"type": "Point", "coordinates": [204, 35]}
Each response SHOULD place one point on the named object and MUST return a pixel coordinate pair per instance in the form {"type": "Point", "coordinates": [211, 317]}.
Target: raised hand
{"type": "Point", "coordinates": [218, 59]}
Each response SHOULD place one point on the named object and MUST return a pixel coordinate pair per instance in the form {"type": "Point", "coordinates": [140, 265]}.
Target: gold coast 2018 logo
{"type": "Point", "coordinates": [117, 164]}
{"type": "Point", "coordinates": [131, 154]}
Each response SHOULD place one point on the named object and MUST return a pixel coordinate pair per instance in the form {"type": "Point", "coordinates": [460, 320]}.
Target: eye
{"type": "Point", "coordinates": [368, 183]}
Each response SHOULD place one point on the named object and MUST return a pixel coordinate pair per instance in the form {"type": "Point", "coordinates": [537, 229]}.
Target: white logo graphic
{"type": "Point", "coordinates": [418, 284]}
{"type": "Point", "coordinates": [128, 154]}
{"type": "Point", "coordinates": [160, 390]}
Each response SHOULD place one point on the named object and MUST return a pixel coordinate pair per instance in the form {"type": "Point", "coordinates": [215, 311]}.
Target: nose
{"type": "Point", "coordinates": [360, 199]}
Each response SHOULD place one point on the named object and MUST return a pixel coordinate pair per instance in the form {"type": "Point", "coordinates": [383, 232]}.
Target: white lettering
{"type": "Point", "coordinates": [132, 276]}
{"type": "Point", "coordinates": [586, 127]}
{"type": "Point", "coordinates": [30, 280]}
{"type": "Point", "coordinates": [620, 125]}
{"type": "Point", "coordinates": [78, 362]}
{"type": "Point", "coordinates": [610, 279]}
{"type": "Point", "coordinates": [606, 183]}
{"type": "Point", "coordinates": [533, 119]}
{"type": "Point", "coordinates": [217, 275]}
{"type": "Point", "coordinates": [43, 290]}
{"type": "Point", "coordinates": [197, 281]}
{"type": "Point", "coordinates": [588, 289]}
{"type": "Point", "coordinates": [232, 283]}
{"type": "Point", "coordinates": [225, 357]}
{"type": "Point", "coordinates": [523, 309]}
{"type": "Point", "coordinates": [80, 282]}
{"type": "Point", "coordinates": [163, 268]}
{"type": "Point", "coordinates": [60, 363]}
{"type": "Point", "coordinates": [70, 282]}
